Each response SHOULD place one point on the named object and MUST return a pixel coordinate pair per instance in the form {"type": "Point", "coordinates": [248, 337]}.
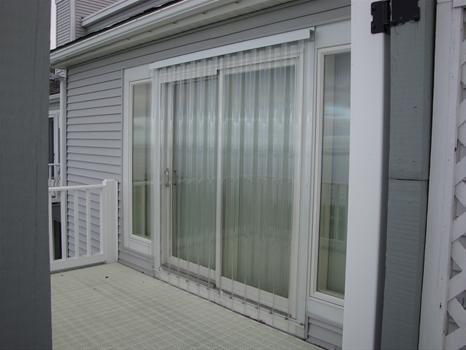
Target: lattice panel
{"type": "Point", "coordinates": [456, 310]}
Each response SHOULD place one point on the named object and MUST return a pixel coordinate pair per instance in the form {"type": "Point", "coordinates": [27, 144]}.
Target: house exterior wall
{"type": "Point", "coordinates": [94, 89]}
{"type": "Point", "coordinates": [63, 21]}
{"type": "Point", "coordinates": [124, 14]}
{"type": "Point", "coordinates": [69, 15]}
{"type": "Point", "coordinates": [86, 7]}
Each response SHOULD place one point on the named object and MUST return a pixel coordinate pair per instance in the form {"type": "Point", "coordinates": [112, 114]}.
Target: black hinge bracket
{"type": "Point", "coordinates": [389, 13]}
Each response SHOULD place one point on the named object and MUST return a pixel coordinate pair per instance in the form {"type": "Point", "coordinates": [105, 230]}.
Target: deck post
{"type": "Point", "coordinates": [110, 220]}
{"type": "Point", "coordinates": [367, 181]}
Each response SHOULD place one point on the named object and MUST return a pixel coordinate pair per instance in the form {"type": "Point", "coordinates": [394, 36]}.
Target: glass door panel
{"type": "Point", "coordinates": [258, 170]}
{"type": "Point", "coordinates": [194, 174]}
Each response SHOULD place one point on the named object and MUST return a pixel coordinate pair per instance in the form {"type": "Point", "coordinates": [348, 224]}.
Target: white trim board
{"type": "Point", "coordinates": [237, 47]}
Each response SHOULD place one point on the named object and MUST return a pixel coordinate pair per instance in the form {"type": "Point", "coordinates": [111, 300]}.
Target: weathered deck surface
{"type": "Point", "coordinates": [115, 307]}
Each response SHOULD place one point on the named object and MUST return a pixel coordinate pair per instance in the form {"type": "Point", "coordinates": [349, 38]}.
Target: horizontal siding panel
{"type": "Point", "coordinates": [97, 119]}
{"type": "Point", "coordinates": [94, 111]}
{"type": "Point", "coordinates": [94, 135]}
{"type": "Point", "coordinates": [95, 95]}
{"type": "Point", "coordinates": [96, 159]}
{"type": "Point", "coordinates": [104, 102]}
{"type": "Point", "coordinates": [83, 180]}
{"type": "Point", "coordinates": [88, 89]}
{"type": "Point", "coordinates": [111, 169]}
{"type": "Point", "coordinates": [104, 152]}
{"type": "Point", "coordinates": [76, 80]}
{"type": "Point", "coordinates": [95, 127]}
{"type": "Point", "coordinates": [63, 22]}
{"type": "Point", "coordinates": [91, 173]}
{"type": "Point", "coordinates": [95, 143]}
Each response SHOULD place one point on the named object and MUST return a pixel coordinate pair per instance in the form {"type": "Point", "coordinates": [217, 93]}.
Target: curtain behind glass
{"type": "Point", "coordinates": [195, 121]}
{"type": "Point", "coordinates": [335, 170]}
{"type": "Point", "coordinates": [258, 162]}
{"type": "Point", "coordinates": [141, 159]}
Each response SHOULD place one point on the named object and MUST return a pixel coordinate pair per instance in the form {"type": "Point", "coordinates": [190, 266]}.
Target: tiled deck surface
{"type": "Point", "coordinates": [115, 307]}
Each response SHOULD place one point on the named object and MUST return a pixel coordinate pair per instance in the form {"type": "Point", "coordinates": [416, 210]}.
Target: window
{"type": "Point", "coordinates": [141, 97]}
{"type": "Point", "coordinates": [335, 114]}
{"type": "Point", "coordinates": [137, 161]}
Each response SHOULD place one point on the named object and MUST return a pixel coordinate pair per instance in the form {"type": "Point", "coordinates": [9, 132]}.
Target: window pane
{"type": "Point", "coordinates": [334, 183]}
{"type": "Point", "coordinates": [141, 159]}
{"type": "Point", "coordinates": [258, 139]}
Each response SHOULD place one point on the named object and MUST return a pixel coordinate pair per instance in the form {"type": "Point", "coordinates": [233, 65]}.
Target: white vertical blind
{"type": "Point", "coordinates": [258, 148]}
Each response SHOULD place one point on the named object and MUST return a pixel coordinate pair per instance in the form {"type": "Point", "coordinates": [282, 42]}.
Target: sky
{"type": "Point", "coordinates": [53, 23]}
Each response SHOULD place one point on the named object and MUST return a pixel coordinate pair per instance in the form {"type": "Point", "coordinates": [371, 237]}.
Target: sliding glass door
{"type": "Point", "coordinates": [229, 169]}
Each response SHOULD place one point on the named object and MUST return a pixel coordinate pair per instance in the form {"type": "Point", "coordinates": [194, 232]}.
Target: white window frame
{"type": "Point", "coordinates": [315, 209]}
{"type": "Point", "coordinates": [132, 76]}
{"type": "Point", "coordinates": [330, 39]}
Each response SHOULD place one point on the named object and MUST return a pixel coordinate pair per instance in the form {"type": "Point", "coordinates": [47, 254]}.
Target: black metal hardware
{"type": "Point", "coordinates": [380, 11]}
{"type": "Point", "coordinates": [389, 13]}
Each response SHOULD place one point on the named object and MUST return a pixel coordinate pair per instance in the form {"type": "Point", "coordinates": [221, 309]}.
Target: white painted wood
{"type": "Point", "coordinates": [132, 76]}
{"type": "Point", "coordinates": [108, 218]}
{"type": "Point", "coordinates": [441, 186]}
{"type": "Point", "coordinates": [367, 179]}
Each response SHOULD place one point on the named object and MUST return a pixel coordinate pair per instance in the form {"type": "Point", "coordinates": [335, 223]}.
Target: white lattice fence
{"type": "Point", "coordinates": [443, 314]}
{"type": "Point", "coordinates": [456, 301]}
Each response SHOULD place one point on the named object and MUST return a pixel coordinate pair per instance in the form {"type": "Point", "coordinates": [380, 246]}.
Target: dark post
{"type": "Point", "coordinates": [411, 79]}
{"type": "Point", "coordinates": [25, 313]}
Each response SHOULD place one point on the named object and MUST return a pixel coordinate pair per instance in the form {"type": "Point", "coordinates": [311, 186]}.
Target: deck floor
{"type": "Point", "coordinates": [115, 307]}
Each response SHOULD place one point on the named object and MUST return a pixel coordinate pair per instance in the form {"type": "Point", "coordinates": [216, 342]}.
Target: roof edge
{"type": "Point", "coordinates": [169, 20]}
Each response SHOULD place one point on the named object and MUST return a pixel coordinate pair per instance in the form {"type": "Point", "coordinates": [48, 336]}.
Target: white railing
{"type": "Point", "coordinates": [86, 232]}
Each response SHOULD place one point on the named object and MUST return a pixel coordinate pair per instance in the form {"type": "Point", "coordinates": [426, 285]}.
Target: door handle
{"type": "Point", "coordinates": [166, 174]}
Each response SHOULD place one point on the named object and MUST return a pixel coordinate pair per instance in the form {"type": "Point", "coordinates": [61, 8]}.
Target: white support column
{"type": "Point", "coordinates": [367, 179]}
{"type": "Point", "coordinates": [110, 220]}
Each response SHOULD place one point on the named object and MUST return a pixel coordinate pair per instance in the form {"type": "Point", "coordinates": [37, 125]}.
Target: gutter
{"type": "Point", "coordinates": [169, 20]}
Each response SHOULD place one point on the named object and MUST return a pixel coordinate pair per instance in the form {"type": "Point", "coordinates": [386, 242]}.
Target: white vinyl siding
{"type": "Point", "coordinates": [86, 7]}
{"type": "Point", "coordinates": [63, 22]}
